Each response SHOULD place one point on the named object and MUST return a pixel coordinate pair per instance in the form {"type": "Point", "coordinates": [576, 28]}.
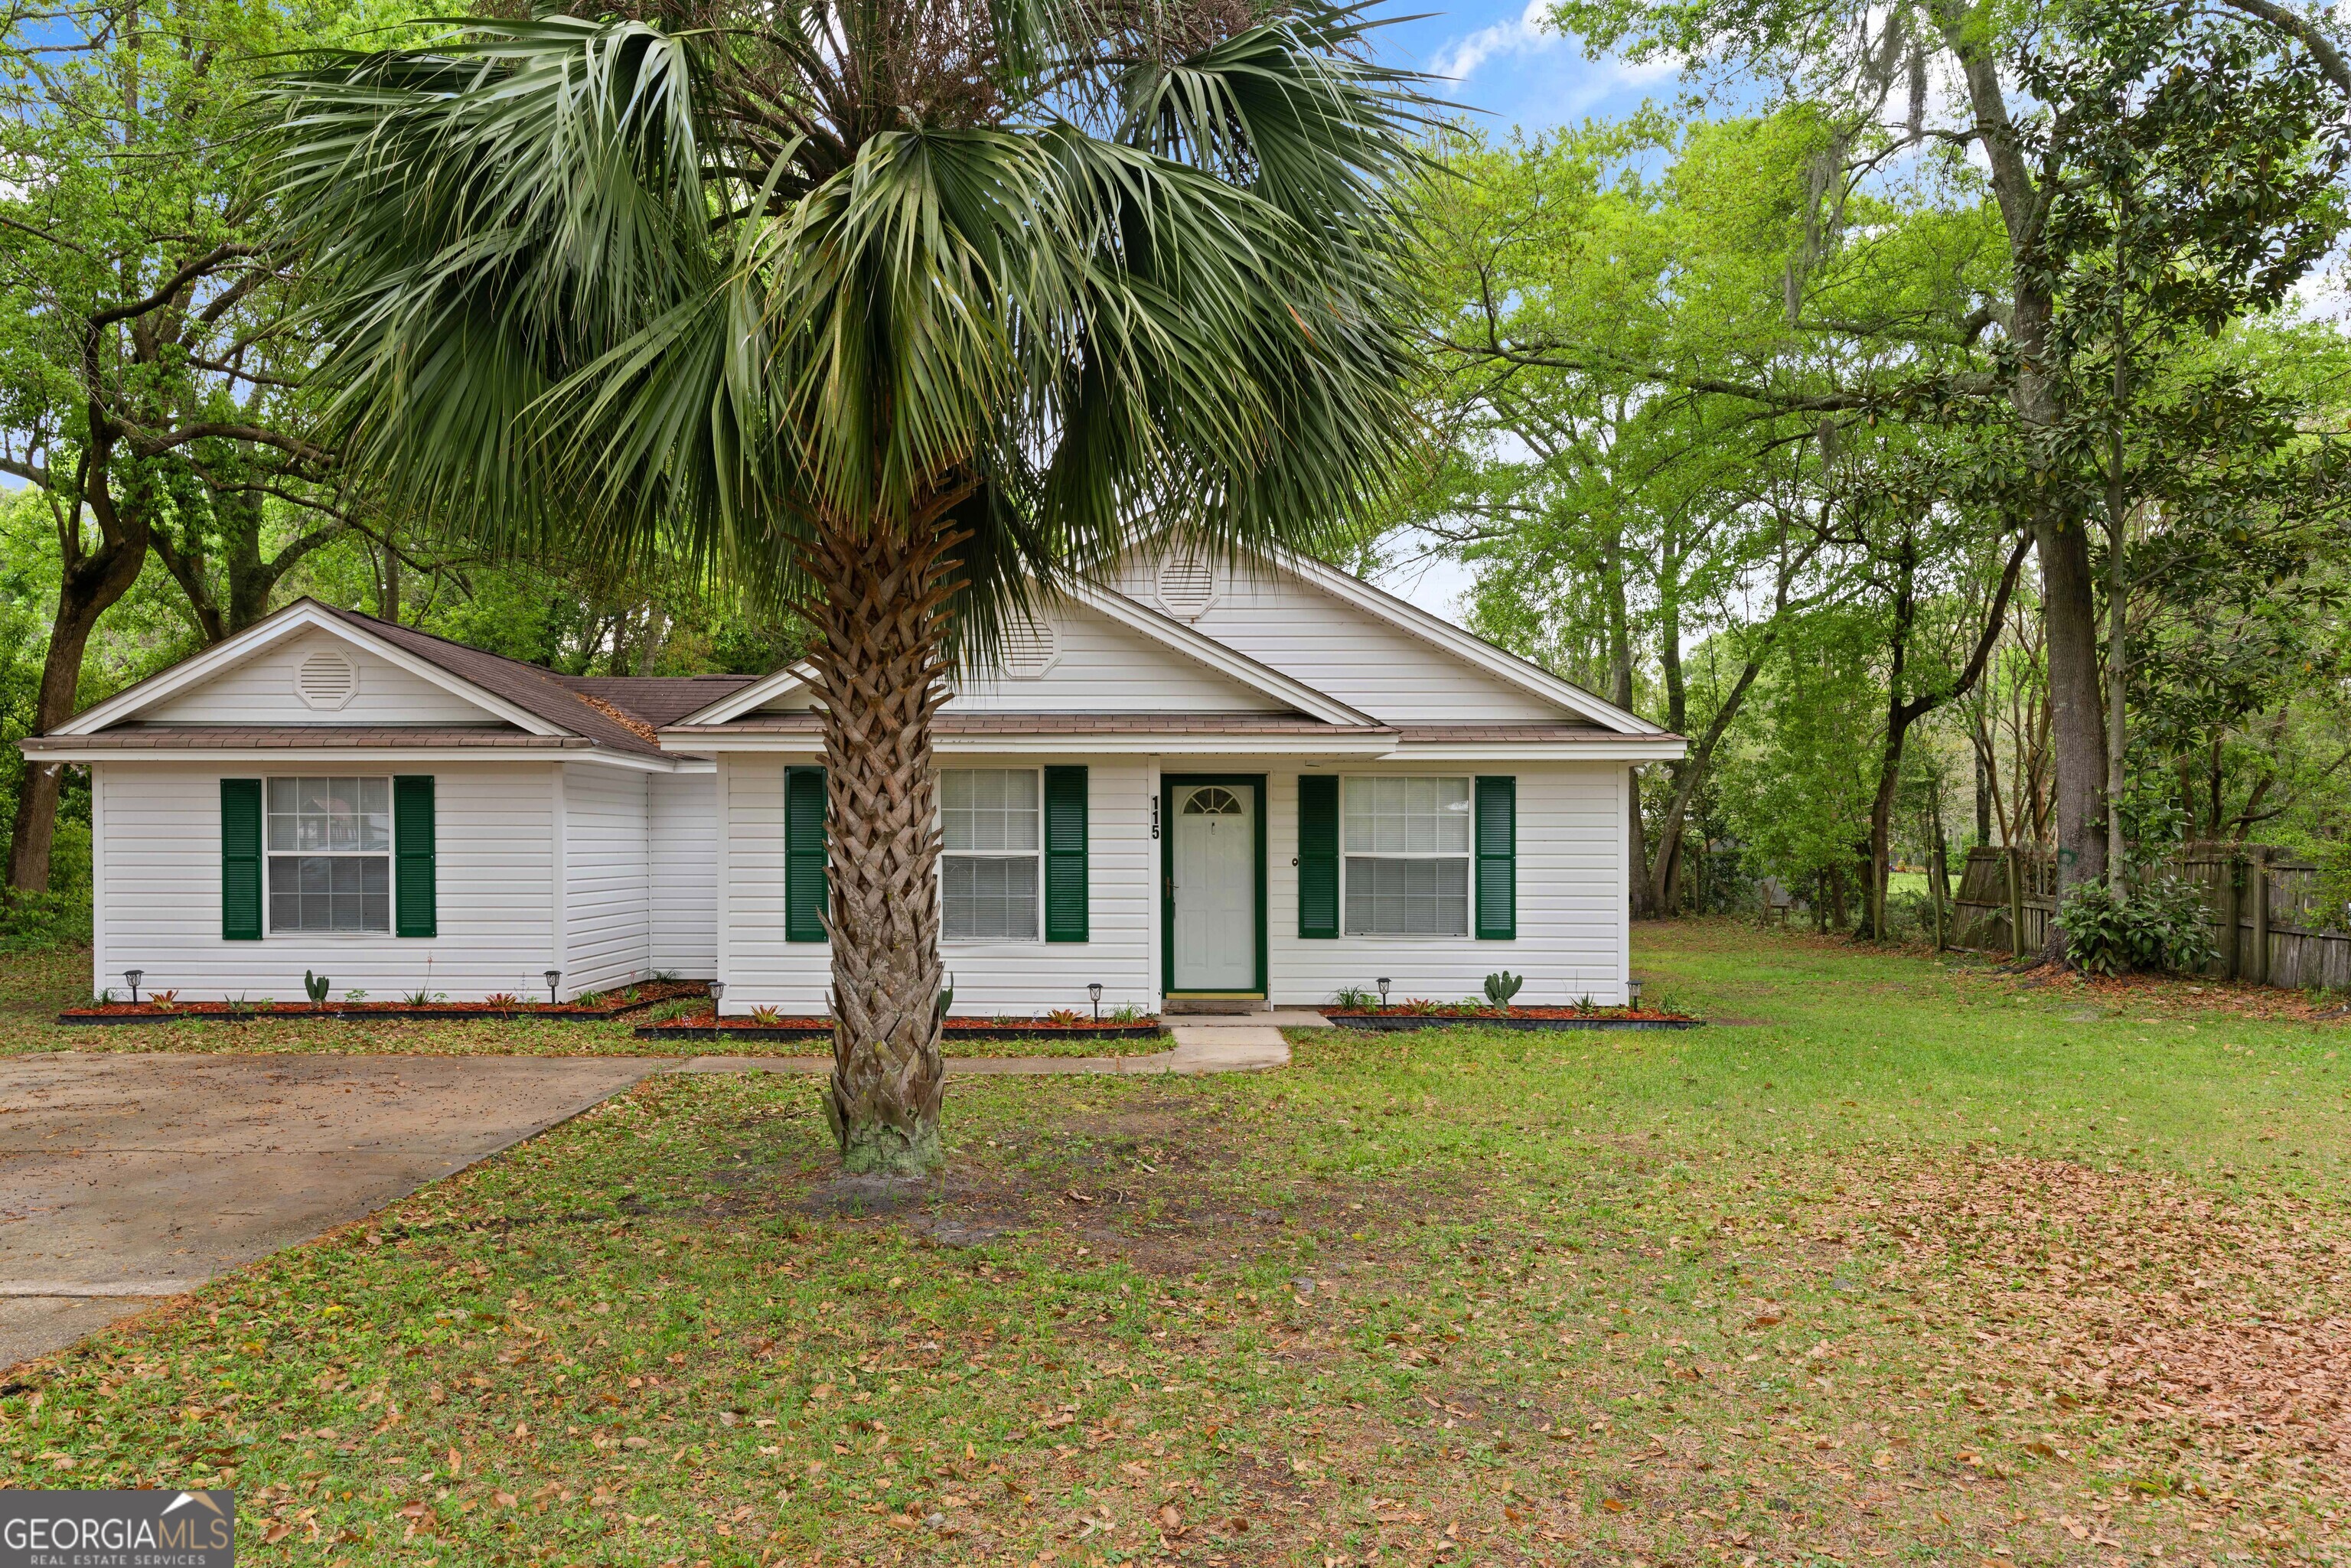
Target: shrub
{"type": "Point", "coordinates": [1354, 998]}
{"type": "Point", "coordinates": [37, 922]}
{"type": "Point", "coordinates": [2161, 926]}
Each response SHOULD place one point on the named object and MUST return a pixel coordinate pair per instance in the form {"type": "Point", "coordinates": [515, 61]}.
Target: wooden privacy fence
{"type": "Point", "coordinates": [2265, 910]}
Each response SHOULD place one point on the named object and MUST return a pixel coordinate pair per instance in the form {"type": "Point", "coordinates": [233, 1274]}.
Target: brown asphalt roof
{"type": "Point", "coordinates": [575, 703]}
{"type": "Point", "coordinates": [658, 699]}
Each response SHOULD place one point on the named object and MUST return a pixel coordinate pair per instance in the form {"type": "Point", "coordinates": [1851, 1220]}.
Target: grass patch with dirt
{"type": "Point", "coordinates": [1912, 1265]}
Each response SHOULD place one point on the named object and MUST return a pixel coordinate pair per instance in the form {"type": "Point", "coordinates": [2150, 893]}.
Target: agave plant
{"type": "Point", "coordinates": [904, 313]}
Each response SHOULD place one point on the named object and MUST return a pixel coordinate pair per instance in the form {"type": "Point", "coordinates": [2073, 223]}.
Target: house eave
{"type": "Point", "coordinates": [88, 748]}
{"type": "Point", "coordinates": [1067, 743]}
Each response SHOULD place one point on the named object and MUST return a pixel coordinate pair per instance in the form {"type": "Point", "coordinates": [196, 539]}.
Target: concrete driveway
{"type": "Point", "coordinates": [125, 1177]}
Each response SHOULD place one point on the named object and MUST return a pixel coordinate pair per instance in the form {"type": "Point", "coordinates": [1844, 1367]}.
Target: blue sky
{"type": "Point", "coordinates": [1506, 63]}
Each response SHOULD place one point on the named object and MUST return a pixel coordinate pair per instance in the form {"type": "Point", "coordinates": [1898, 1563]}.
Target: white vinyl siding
{"type": "Point", "coordinates": [1571, 933]}
{"type": "Point", "coordinates": [160, 897]}
{"type": "Point", "coordinates": [1343, 653]}
{"type": "Point", "coordinates": [1103, 667]}
{"type": "Point", "coordinates": [1015, 977]}
{"type": "Point", "coordinates": [991, 867]}
{"type": "Point", "coordinates": [682, 901]}
{"type": "Point", "coordinates": [607, 935]}
{"type": "Point", "coordinates": [261, 690]}
{"type": "Point", "coordinates": [1404, 843]}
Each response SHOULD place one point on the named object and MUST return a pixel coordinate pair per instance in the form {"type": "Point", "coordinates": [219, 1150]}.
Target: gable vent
{"type": "Point", "coordinates": [1030, 651]}
{"type": "Point", "coordinates": [327, 680]}
{"type": "Point", "coordinates": [1187, 586]}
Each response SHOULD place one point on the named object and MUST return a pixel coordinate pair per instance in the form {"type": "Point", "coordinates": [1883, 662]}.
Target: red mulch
{"type": "Point", "coordinates": [613, 1002]}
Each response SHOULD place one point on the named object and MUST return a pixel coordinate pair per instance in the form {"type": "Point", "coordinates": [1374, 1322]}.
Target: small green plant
{"type": "Point", "coordinates": [663, 977]}
{"type": "Point", "coordinates": [420, 997]}
{"type": "Point", "coordinates": [503, 999]}
{"type": "Point", "coordinates": [676, 1007]}
{"type": "Point", "coordinates": [589, 1000]}
{"type": "Point", "coordinates": [104, 996]}
{"type": "Point", "coordinates": [167, 1000]}
{"type": "Point", "coordinates": [633, 995]}
{"type": "Point", "coordinates": [1127, 1012]}
{"type": "Point", "coordinates": [1065, 1017]}
{"type": "Point", "coordinates": [1585, 1004]}
{"type": "Point", "coordinates": [766, 1017]}
{"type": "Point", "coordinates": [2159, 927]}
{"type": "Point", "coordinates": [1500, 987]}
{"type": "Point", "coordinates": [1354, 999]}
{"type": "Point", "coordinates": [317, 986]}
{"type": "Point", "coordinates": [266, 1004]}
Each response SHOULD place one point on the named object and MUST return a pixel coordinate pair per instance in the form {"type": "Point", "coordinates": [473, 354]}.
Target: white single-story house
{"type": "Point", "coordinates": [1205, 781]}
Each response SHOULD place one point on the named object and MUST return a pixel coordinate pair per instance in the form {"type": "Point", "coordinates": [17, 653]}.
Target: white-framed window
{"type": "Point", "coordinates": [1405, 852]}
{"type": "Point", "coordinates": [991, 870]}
{"type": "Point", "coordinates": [329, 848]}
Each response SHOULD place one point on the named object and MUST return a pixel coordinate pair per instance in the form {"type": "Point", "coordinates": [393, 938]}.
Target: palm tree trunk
{"type": "Point", "coordinates": [880, 628]}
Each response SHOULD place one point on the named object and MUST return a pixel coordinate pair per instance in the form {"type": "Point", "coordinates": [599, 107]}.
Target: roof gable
{"type": "Point", "coordinates": [1105, 653]}
{"type": "Point", "coordinates": [1364, 647]}
{"type": "Point", "coordinates": [313, 675]}
{"type": "Point", "coordinates": [317, 627]}
{"type": "Point", "coordinates": [313, 665]}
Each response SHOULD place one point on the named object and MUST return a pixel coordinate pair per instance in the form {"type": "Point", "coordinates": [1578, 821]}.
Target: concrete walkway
{"type": "Point", "coordinates": [127, 1178]}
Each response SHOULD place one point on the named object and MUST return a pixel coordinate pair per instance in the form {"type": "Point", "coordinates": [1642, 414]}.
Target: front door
{"type": "Point", "coordinates": [1214, 886]}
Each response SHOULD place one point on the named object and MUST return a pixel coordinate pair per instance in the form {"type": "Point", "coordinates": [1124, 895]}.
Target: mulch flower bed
{"type": "Point", "coordinates": [608, 1005]}
{"type": "Point", "coordinates": [743, 1026]}
{"type": "Point", "coordinates": [1388, 1019]}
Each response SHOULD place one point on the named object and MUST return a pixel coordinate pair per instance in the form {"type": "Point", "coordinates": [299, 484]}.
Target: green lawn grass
{"type": "Point", "coordinates": [1913, 1264]}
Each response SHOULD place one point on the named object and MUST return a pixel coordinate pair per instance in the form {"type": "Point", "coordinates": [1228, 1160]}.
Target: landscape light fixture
{"type": "Point", "coordinates": [1382, 984]}
{"type": "Point", "coordinates": [1094, 990]}
{"type": "Point", "coordinates": [1633, 995]}
{"type": "Point", "coordinates": [134, 976]}
{"type": "Point", "coordinates": [552, 977]}
{"type": "Point", "coordinates": [717, 989]}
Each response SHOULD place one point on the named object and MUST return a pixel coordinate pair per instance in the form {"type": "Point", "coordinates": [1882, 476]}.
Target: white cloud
{"type": "Point", "coordinates": [1529, 32]}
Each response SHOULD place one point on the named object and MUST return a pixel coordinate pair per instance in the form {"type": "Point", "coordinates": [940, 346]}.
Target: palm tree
{"type": "Point", "coordinates": [907, 312]}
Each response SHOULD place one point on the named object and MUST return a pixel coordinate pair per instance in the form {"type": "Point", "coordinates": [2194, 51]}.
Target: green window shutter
{"type": "Point", "coordinates": [1065, 855]}
{"type": "Point", "coordinates": [1318, 855]}
{"type": "Point", "coordinates": [241, 860]}
{"type": "Point", "coordinates": [804, 889]}
{"type": "Point", "coordinates": [1497, 860]}
{"type": "Point", "coordinates": [415, 866]}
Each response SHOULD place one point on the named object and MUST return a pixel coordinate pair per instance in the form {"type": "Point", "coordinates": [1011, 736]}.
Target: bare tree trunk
{"type": "Point", "coordinates": [1637, 885]}
{"type": "Point", "coordinates": [879, 627]}
{"type": "Point", "coordinates": [1902, 713]}
{"type": "Point", "coordinates": [2069, 602]}
{"type": "Point", "coordinates": [89, 582]}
